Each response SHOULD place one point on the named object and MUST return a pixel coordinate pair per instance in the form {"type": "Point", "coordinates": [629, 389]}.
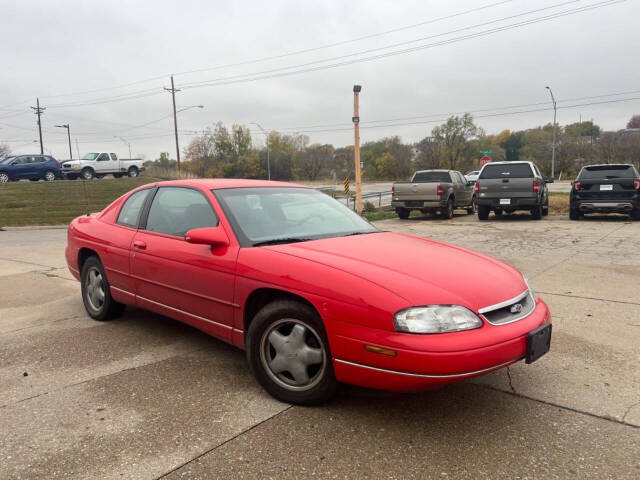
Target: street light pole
{"type": "Point", "coordinates": [127, 142]}
{"type": "Point", "coordinates": [173, 91]}
{"type": "Point", "coordinates": [553, 145]}
{"type": "Point", "coordinates": [66, 125]}
{"type": "Point", "coordinates": [266, 135]}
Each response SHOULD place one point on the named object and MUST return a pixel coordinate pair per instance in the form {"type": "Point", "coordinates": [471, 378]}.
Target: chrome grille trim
{"type": "Point", "coordinates": [506, 303]}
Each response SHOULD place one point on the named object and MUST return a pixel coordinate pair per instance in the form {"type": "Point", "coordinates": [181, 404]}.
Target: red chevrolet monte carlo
{"type": "Point", "coordinates": [314, 294]}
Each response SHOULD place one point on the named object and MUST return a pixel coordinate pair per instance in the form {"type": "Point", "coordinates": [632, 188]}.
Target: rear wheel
{"type": "Point", "coordinates": [536, 212]}
{"type": "Point", "coordinates": [635, 214]}
{"type": "Point", "coordinates": [133, 172]}
{"type": "Point", "coordinates": [49, 176]}
{"type": "Point", "coordinates": [403, 213]}
{"type": "Point", "coordinates": [545, 208]}
{"type": "Point", "coordinates": [288, 352]}
{"type": "Point", "coordinates": [483, 212]}
{"type": "Point", "coordinates": [96, 295]}
{"type": "Point", "coordinates": [474, 206]}
{"type": "Point", "coordinates": [448, 209]}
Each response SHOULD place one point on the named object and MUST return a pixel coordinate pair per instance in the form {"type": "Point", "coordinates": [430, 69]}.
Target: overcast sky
{"type": "Point", "coordinates": [81, 58]}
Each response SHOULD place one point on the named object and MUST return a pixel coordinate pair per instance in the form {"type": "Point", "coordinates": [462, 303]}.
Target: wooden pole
{"type": "Point", "coordinates": [356, 125]}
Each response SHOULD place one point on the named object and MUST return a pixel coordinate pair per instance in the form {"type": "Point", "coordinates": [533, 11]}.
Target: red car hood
{"type": "Point", "coordinates": [422, 271]}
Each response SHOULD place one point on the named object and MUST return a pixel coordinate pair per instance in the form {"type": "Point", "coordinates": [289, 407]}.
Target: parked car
{"type": "Point", "coordinates": [613, 188]}
{"type": "Point", "coordinates": [31, 167]}
{"type": "Point", "coordinates": [433, 190]}
{"type": "Point", "coordinates": [472, 176]}
{"type": "Point", "coordinates": [511, 186]}
{"type": "Point", "coordinates": [99, 164]}
{"type": "Point", "coordinates": [315, 294]}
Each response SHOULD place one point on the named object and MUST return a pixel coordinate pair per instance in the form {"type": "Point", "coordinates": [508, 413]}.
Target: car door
{"type": "Point", "coordinates": [103, 163]}
{"type": "Point", "coordinates": [115, 163]}
{"type": "Point", "coordinates": [194, 283]}
{"type": "Point", "coordinates": [38, 163]}
{"type": "Point", "coordinates": [22, 167]}
{"type": "Point", "coordinates": [458, 188]}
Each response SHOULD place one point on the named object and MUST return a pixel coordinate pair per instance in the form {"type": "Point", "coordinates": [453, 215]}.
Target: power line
{"type": "Point", "coordinates": [275, 57]}
{"type": "Point", "coordinates": [266, 75]}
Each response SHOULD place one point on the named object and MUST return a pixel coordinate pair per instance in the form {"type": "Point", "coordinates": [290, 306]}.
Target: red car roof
{"type": "Point", "coordinates": [215, 183]}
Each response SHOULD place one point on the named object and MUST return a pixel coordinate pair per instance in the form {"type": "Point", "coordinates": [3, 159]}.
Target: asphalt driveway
{"type": "Point", "coordinates": [145, 397]}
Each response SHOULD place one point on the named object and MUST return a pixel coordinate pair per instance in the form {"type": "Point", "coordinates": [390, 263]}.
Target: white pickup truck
{"type": "Point", "coordinates": [99, 164]}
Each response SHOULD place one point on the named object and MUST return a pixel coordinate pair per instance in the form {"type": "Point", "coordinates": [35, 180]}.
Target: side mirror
{"type": "Point", "coordinates": [214, 236]}
{"type": "Point", "coordinates": [470, 183]}
{"type": "Point", "coordinates": [549, 180]}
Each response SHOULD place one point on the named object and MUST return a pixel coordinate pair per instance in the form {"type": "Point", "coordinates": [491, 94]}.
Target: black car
{"type": "Point", "coordinates": [611, 188]}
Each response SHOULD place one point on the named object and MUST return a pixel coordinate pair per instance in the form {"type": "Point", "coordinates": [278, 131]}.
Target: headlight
{"type": "Point", "coordinates": [436, 319]}
{"type": "Point", "coordinates": [75, 167]}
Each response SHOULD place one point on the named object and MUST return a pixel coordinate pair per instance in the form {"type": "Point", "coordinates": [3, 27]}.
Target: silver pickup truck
{"type": "Point", "coordinates": [99, 164]}
{"type": "Point", "coordinates": [434, 190]}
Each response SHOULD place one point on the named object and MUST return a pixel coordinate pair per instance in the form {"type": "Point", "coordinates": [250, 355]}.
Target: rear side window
{"type": "Point", "coordinates": [607, 171]}
{"type": "Point", "coordinates": [426, 177]}
{"type": "Point", "coordinates": [113, 157]}
{"type": "Point", "coordinates": [130, 212]}
{"type": "Point", "coordinates": [176, 210]}
{"type": "Point", "coordinates": [506, 170]}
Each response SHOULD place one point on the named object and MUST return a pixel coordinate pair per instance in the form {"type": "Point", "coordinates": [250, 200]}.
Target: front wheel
{"type": "Point", "coordinates": [4, 177]}
{"type": "Point", "coordinates": [288, 352]}
{"type": "Point", "coordinates": [96, 294]}
{"type": "Point", "coordinates": [88, 174]}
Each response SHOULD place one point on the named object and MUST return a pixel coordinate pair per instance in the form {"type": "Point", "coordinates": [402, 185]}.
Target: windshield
{"type": "Point", "coordinates": [607, 171]}
{"type": "Point", "coordinates": [6, 160]}
{"type": "Point", "coordinates": [90, 156]}
{"type": "Point", "coordinates": [288, 214]}
{"type": "Point", "coordinates": [427, 177]}
{"type": "Point", "coordinates": [506, 170]}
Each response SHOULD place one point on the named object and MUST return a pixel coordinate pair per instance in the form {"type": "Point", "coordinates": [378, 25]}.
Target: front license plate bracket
{"type": "Point", "coordinates": [538, 342]}
{"type": "Point", "coordinates": [505, 201]}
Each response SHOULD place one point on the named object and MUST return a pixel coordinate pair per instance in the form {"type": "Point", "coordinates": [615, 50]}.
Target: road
{"type": "Point", "coordinates": [144, 397]}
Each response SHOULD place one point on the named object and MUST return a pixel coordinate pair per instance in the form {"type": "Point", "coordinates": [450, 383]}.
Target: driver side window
{"type": "Point", "coordinates": [103, 157]}
{"type": "Point", "coordinates": [176, 210]}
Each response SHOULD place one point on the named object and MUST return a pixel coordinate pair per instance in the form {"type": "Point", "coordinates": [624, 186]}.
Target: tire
{"type": "Point", "coordinates": [96, 295]}
{"type": "Point", "coordinates": [497, 211]}
{"type": "Point", "coordinates": [536, 212]}
{"type": "Point", "coordinates": [545, 208]}
{"type": "Point", "coordinates": [132, 172]}
{"type": "Point", "coordinates": [288, 353]}
{"type": "Point", "coordinates": [403, 213]}
{"type": "Point", "coordinates": [474, 206]}
{"type": "Point", "coordinates": [4, 177]}
{"type": "Point", "coordinates": [49, 176]}
{"type": "Point", "coordinates": [635, 214]}
{"type": "Point", "coordinates": [483, 212]}
{"type": "Point", "coordinates": [447, 213]}
{"type": "Point", "coordinates": [574, 214]}
{"type": "Point", "coordinates": [87, 173]}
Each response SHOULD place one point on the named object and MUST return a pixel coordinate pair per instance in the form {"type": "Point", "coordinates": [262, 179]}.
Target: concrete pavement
{"type": "Point", "coordinates": [146, 397]}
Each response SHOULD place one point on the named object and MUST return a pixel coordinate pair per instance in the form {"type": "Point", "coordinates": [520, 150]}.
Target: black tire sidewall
{"type": "Point", "coordinates": [110, 306]}
{"type": "Point", "coordinates": [270, 313]}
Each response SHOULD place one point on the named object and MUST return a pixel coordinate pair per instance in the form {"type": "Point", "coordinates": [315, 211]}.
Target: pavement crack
{"type": "Point", "coordinates": [29, 263]}
{"type": "Point", "coordinates": [510, 380]}
{"type": "Point", "coordinates": [564, 407]}
{"type": "Point", "coordinates": [589, 298]}
{"type": "Point", "coordinates": [221, 444]}
{"type": "Point", "coordinates": [624, 417]}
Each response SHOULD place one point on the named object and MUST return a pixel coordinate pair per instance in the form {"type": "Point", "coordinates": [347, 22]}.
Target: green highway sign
{"type": "Point", "coordinates": [486, 152]}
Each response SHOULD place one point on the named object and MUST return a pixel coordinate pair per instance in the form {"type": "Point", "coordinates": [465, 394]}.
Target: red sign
{"type": "Point", "coordinates": [484, 160]}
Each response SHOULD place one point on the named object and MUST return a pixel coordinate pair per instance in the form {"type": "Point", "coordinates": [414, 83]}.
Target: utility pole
{"type": "Point", "coordinates": [553, 145]}
{"type": "Point", "coordinates": [38, 111]}
{"type": "Point", "coordinates": [266, 136]}
{"type": "Point", "coordinates": [173, 91]}
{"type": "Point", "coordinates": [356, 126]}
{"type": "Point", "coordinates": [66, 125]}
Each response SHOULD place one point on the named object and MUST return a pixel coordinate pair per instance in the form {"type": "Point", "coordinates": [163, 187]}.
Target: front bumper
{"type": "Point", "coordinates": [423, 361]}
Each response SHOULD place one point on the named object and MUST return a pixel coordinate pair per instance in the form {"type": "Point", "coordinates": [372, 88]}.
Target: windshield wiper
{"type": "Point", "coordinates": [359, 233]}
{"type": "Point", "coordinates": [277, 241]}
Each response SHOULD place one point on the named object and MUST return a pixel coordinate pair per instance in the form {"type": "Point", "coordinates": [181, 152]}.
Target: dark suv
{"type": "Point", "coordinates": [511, 186]}
{"type": "Point", "coordinates": [32, 167]}
{"type": "Point", "coordinates": [606, 189]}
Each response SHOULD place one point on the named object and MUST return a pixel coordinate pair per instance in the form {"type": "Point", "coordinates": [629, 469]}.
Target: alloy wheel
{"type": "Point", "coordinates": [4, 178]}
{"type": "Point", "coordinates": [49, 176]}
{"type": "Point", "coordinates": [293, 354]}
{"type": "Point", "coordinates": [95, 289]}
